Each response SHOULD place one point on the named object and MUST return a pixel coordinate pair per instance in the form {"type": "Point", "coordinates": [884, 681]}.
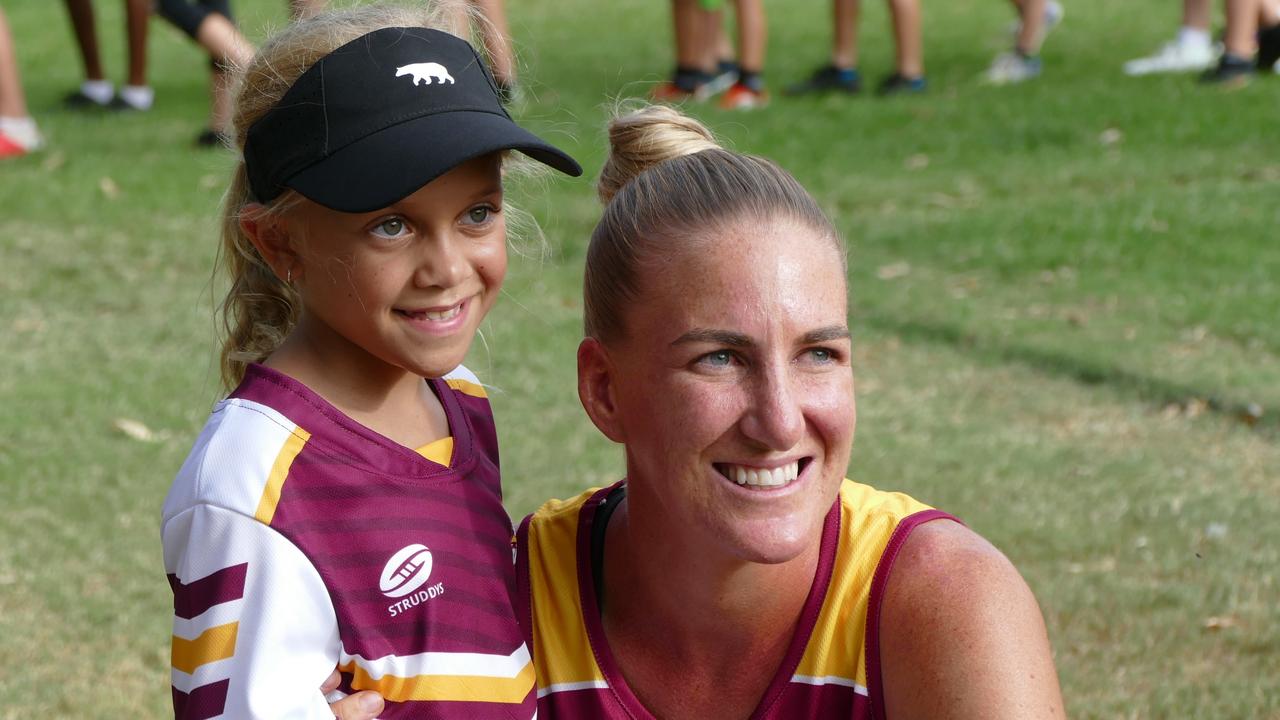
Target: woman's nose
{"type": "Point", "coordinates": [775, 419]}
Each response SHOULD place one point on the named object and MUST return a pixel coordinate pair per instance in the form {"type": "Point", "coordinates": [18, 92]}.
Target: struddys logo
{"type": "Point", "coordinates": [405, 575]}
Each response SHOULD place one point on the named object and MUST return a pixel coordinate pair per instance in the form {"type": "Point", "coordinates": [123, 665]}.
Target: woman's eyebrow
{"type": "Point", "coordinates": [712, 336]}
{"type": "Point", "coordinates": [733, 339]}
{"type": "Point", "coordinates": [826, 334]}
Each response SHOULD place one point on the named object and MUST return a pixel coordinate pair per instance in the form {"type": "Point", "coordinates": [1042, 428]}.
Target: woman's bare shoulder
{"type": "Point", "coordinates": [961, 634]}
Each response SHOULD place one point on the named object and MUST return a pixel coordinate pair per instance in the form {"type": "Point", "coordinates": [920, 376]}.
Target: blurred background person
{"type": "Point", "coordinates": [18, 132]}
{"type": "Point", "coordinates": [704, 65]}
{"type": "Point", "coordinates": [209, 23]}
{"type": "Point", "coordinates": [841, 74]}
{"type": "Point", "coordinates": [97, 91]}
{"type": "Point", "coordinates": [1035, 19]}
{"type": "Point", "coordinates": [1191, 49]}
{"type": "Point", "coordinates": [1251, 41]}
{"type": "Point", "coordinates": [495, 33]}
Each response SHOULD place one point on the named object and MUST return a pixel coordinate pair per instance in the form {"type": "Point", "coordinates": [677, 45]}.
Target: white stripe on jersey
{"type": "Point", "coordinates": [570, 687]}
{"type": "Point", "coordinates": [240, 442]}
{"type": "Point", "coordinates": [829, 680]}
{"type": "Point", "coordinates": [203, 675]}
{"type": "Point", "coordinates": [462, 373]}
{"type": "Point", "coordinates": [444, 663]}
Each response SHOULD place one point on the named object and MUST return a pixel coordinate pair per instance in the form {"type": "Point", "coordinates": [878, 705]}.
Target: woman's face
{"type": "Point", "coordinates": [733, 390]}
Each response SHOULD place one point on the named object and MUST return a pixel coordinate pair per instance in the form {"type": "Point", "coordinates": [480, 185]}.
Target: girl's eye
{"type": "Point", "coordinates": [390, 228]}
{"type": "Point", "coordinates": [479, 215]}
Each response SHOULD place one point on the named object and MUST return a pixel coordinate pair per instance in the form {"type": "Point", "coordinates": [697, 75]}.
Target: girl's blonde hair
{"type": "Point", "coordinates": [261, 309]}
{"type": "Point", "coordinates": [667, 184]}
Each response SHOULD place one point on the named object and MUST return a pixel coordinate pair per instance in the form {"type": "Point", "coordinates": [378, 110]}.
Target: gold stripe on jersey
{"type": "Point", "coordinates": [279, 471]}
{"type": "Point", "coordinates": [837, 647]}
{"type": "Point", "coordinates": [466, 387]}
{"type": "Point", "coordinates": [458, 688]}
{"type": "Point", "coordinates": [560, 644]}
{"type": "Point", "coordinates": [439, 451]}
{"type": "Point", "coordinates": [216, 643]}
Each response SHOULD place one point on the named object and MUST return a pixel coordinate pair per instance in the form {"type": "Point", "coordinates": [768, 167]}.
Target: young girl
{"type": "Point", "coordinates": [337, 508]}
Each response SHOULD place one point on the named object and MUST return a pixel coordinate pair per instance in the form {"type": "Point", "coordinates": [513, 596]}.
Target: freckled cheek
{"type": "Point", "coordinates": [703, 417]}
{"type": "Point", "coordinates": [831, 407]}
{"type": "Point", "coordinates": [491, 264]}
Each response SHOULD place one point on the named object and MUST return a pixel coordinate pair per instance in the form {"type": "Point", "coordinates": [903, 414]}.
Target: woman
{"type": "Point", "coordinates": [734, 573]}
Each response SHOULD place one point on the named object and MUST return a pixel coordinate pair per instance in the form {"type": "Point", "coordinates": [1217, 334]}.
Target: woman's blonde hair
{"type": "Point", "coordinates": [666, 184]}
{"type": "Point", "coordinates": [261, 309]}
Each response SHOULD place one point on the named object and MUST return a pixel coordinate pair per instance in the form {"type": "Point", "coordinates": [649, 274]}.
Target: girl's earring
{"type": "Point", "coordinates": [288, 276]}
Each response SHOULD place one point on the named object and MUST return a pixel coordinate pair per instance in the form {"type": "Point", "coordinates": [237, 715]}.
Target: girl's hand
{"type": "Point", "coordinates": [361, 706]}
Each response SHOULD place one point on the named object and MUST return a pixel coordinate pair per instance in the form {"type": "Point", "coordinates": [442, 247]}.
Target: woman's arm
{"type": "Point", "coordinates": [961, 635]}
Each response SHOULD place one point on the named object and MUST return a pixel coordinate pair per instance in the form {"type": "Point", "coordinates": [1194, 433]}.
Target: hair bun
{"type": "Point", "coordinates": [643, 138]}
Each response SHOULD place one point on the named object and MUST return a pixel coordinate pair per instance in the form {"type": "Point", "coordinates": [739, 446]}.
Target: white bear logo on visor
{"type": "Point", "coordinates": [427, 72]}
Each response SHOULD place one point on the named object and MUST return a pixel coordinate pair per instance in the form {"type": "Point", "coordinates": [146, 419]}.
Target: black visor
{"type": "Point", "coordinates": [381, 116]}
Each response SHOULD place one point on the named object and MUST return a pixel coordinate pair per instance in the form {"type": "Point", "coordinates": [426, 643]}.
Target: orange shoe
{"type": "Point", "coordinates": [669, 92]}
{"type": "Point", "coordinates": [741, 97]}
{"type": "Point", "coordinates": [10, 148]}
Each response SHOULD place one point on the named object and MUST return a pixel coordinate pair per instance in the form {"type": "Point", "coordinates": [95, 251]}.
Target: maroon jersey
{"type": "Point", "coordinates": [831, 669]}
{"type": "Point", "coordinates": [297, 540]}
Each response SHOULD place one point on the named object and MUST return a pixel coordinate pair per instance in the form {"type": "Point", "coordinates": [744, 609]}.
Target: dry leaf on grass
{"type": "Point", "coordinates": [1221, 622]}
{"type": "Point", "coordinates": [109, 188]}
{"type": "Point", "coordinates": [893, 271]}
{"type": "Point", "coordinates": [134, 429]}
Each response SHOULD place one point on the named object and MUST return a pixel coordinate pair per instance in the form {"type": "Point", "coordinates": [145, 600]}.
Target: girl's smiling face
{"type": "Point", "coordinates": [732, 389]}
{"type": "Point", "coordinates": [408, 285]}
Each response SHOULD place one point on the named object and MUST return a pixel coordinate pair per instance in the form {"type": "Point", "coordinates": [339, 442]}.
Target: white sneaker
{"type": "Point", "coordinates": [1053, 13]}
{"type": "Point", "coordinates": [1173, 56]}
{"type": "Point", "coordinates": [1010, 67]}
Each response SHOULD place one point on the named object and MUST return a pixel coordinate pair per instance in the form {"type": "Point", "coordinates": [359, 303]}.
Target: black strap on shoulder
{"type": "Point", "coordinates": [599, 523]}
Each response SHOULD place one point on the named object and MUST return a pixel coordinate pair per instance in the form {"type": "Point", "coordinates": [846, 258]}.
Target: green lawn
{"type": "Point", "coordinates": [1064, 299]}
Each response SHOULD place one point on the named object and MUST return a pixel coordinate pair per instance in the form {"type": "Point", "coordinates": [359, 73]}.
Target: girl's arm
{"type": "Point", "coordinates": [254, 632]}
{"type": "Point", "coordinates": [961, 634]}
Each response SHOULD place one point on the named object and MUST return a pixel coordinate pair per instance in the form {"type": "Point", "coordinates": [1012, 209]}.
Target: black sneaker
{"type": "Point", "coordinates": [1231, 70]}
{"type": "Point", "coordinates": [77, 100]}
{"type": "Point", "coordinates": [898, 84]}
{"type": "Point", "coordinates": [1268, 47]}
{"type": "Point", "coordinates": [119, 104]}
{"type": "Point", "coordinates": [827, 78]}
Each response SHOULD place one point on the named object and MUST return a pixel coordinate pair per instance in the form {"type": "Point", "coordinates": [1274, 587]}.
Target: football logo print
{"type": "Point", "coordinates": [406, 571]}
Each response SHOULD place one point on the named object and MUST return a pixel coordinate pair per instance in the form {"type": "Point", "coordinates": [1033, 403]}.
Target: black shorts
{"type": "Point", "coordinates": [187, 15]}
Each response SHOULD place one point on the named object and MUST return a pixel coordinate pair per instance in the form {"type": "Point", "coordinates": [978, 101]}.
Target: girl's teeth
{"type": "Point", "coordinates": [776, 477]}
{"type": "Point", "coordinates": [443, 314]}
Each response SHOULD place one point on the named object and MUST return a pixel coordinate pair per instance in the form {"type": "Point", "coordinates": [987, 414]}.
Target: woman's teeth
{"type": "Point", "coordinates": [761, 477]}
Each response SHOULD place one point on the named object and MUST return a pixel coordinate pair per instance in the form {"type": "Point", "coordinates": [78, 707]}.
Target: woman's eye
{"type": "Point", "coordinates": [822, 356]}
{"type": "Point", "coordinates": [719, 358]}
{"type": "Point", "coordinates": [390, 228]}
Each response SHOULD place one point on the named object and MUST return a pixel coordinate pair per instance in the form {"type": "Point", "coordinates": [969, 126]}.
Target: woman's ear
{"type": "Point", "coordinates": [270, 235]}
{"type": "Point", "coordinates": [596, 389]}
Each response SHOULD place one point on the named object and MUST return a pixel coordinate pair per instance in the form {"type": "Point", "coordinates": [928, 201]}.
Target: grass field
{"type": "Point", "coordinates": [1065, 304]}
